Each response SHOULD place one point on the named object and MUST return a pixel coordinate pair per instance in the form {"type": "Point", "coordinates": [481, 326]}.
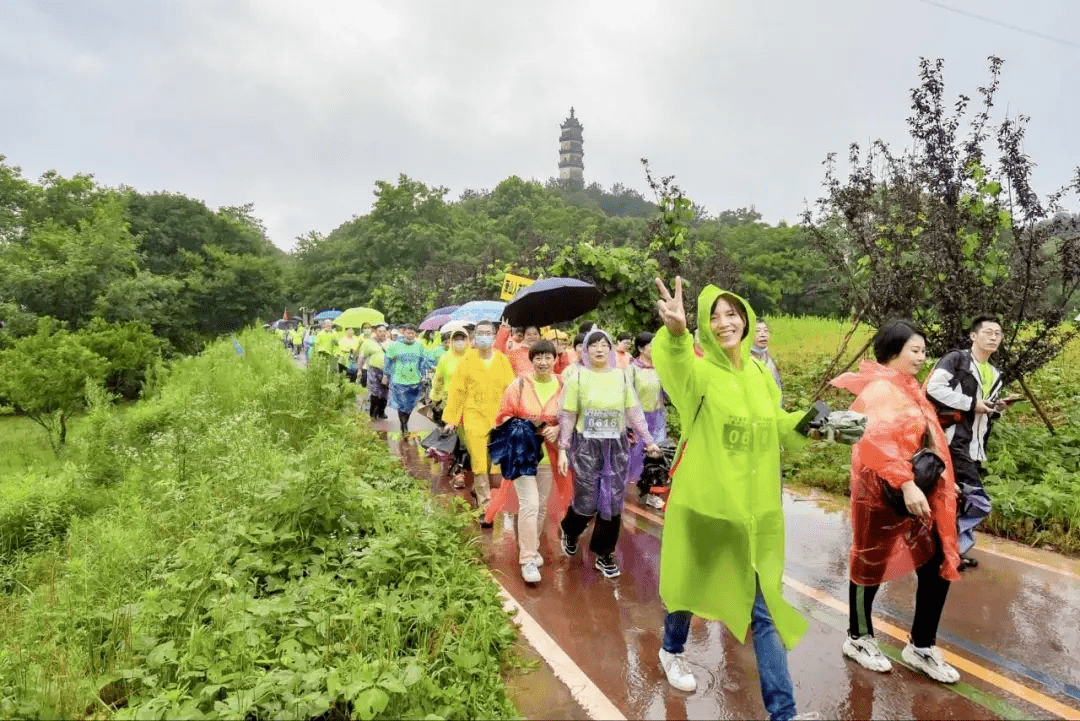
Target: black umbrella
{"type": "Point", "coordinates": [551, 300]}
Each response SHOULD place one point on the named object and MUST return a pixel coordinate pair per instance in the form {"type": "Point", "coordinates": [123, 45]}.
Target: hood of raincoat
{"type": "Point", "coordinates": [595, 330]}
{"type": "Point", "coordinates": [714, 352]}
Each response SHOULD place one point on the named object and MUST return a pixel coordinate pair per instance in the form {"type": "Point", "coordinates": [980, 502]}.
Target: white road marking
{"type": "Point", "coordinates": [582, 688]}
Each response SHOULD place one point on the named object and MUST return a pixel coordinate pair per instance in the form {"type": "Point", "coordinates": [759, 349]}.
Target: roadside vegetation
{"type": "Point", "coordinates": [235, 545]}
{"type": "Point", "coordinates": [1033, 475]}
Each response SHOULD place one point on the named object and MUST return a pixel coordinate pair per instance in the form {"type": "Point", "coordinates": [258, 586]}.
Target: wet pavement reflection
{"type": "Point", "coordinates": [1015, 620]}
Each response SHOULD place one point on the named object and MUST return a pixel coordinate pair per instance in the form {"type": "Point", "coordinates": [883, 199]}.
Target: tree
{"type": "Point", "coordinates": [940, 234]}
{"type": "Point", "coordinates": [164, 225]}
{"type": "Point", "coordinates": [230, 290]}
{"type": "Point", "coordinates": [128, 349]}
{"type": "Point", "coordinates": [61, 271]}
{"type": "Point", "coordinates": [45, 377]}
{"type": "Point", "coordinates": [16, 197]}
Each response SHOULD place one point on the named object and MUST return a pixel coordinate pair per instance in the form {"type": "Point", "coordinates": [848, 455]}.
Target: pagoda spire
{"type": "Point", "coordinates": [571, 166]}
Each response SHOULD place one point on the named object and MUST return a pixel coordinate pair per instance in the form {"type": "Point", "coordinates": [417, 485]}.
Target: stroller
{"type": "Point", "coordinates": [448, 448]}
{"type": "Point", "coordinates": [655, 481]}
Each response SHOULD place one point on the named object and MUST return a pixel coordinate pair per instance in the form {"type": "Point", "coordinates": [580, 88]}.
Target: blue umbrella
{"type": "Point", "coordinates": [551, 300]}
{"type": "Point", "coordinates": [478, 310]}
{"type": "Point", "coordinates": [442, 311]}
{"type": "Point", "coordinates": [328, 314]}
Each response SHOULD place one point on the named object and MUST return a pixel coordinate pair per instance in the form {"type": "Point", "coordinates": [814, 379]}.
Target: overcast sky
{"type": "Point", "coordinates": [300, 106]}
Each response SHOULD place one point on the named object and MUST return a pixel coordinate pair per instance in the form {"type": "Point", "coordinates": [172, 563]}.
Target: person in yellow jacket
{"type": "Point", "coordinates": [440, 383]}
{"type": "Point", "coordinates": [445, 367]}
{"type": "Point", "coordinates": [473, 402]}
{"type": "Point", "coordinates": [347, 348]}
{"type": "Point", "coordinates": [296, 335]}
{"type": "Point", "coordinates": [325, 342]}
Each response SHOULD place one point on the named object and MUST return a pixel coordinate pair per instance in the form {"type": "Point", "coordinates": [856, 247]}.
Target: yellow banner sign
{"type": "Point", "coordinates": [512, 284]}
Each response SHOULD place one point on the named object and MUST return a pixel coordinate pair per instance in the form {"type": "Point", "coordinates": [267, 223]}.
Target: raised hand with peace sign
{"type": "Point", "coordinates": [671, 307]}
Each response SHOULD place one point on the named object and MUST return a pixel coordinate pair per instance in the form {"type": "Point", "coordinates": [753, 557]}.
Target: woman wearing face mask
{"type": "Point", "coordinates": [650, 393]}
{"type": "Point", "coordinates": [722, 555]}
{"type": "Point", "coordinates": [598, 405]}
{"type": "Point", "coordinates": [445, 367]}
{"type": "Point", "coordinates": [886, 545]}
{"type": "Point", "coordinates": [474, 396]}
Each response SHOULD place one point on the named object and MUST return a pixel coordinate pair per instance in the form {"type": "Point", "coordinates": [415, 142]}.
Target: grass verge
{"type": "Point", "coordinates": [250, 551]}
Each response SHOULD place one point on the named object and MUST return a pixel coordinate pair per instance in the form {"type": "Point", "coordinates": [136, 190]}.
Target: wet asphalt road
{"type": "Point", "coordinates": [1011, 626]}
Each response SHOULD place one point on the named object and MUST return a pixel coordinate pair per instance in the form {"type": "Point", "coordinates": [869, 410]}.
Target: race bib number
{"type": "Point", "coordinates": [741, 436]}
{"type": "Point", "coordinates": [604, 424]}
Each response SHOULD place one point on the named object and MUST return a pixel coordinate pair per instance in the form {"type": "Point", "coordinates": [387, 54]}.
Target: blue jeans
{"type": "Point", "coordinates": [776, 688]}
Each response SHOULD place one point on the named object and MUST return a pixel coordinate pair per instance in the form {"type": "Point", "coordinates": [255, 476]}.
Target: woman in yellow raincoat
{"type": "Point", "coordinates": [722, 555]}
{"type": "Point", "coordinates": [475, 393]}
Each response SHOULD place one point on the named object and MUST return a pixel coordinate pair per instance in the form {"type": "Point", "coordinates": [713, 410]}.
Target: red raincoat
{"type": "Point", "coordinates": [521, 401]}
{"type": "Point", "coordinates": [886, 546]}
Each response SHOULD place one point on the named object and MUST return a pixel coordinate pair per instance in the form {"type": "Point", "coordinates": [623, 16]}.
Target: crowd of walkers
{"type": "Point", "coordinates": [571, 426]}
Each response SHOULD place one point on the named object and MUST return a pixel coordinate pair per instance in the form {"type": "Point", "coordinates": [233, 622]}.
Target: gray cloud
{"type": "Point", "coordinates": [300, 107]}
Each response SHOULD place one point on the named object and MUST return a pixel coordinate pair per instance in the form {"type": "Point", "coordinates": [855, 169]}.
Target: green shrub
{"type": "Point", "coordinates": [129, 350]}
{"type": "Point", "coordinates": [38, 507]}
{"type": "Point", "coordinates": [264, 556]}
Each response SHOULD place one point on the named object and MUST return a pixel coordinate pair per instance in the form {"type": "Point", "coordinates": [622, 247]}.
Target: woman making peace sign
{"type": "Point", "coordinates": [722, 555]}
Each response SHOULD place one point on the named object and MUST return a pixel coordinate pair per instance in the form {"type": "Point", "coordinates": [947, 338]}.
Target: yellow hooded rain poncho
{"type": "Point", "coordinates": [724, 521]}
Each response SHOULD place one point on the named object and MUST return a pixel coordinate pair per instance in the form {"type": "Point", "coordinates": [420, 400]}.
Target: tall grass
{"type": "Point", "coordinates": [1032, 475]}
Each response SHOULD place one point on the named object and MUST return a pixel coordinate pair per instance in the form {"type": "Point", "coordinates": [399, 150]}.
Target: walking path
{"type": "Point", "coordinates": [1011, 626]}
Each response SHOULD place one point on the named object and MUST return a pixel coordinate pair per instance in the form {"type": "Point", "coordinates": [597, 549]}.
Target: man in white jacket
{"type": "Point", "coordinates": [964, 386]}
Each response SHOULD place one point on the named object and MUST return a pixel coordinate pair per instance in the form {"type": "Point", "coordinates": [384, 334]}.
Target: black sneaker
{"type": "Point", "coordinates": [569, 547]}
{"type": "Point", "coordinates": [607, 566]}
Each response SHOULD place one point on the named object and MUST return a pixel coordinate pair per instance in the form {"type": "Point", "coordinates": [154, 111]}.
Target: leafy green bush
{"type": "Point", "coordinates": [264, 557]}
{"type": "Point", "coordinates": [38, 507]}
{"type": "Point", "coordinates": [1034, 480]}
{"type": "Point", "coordinates": [45, 377]}
{"type": "Point", "coordinates": [129, 350]}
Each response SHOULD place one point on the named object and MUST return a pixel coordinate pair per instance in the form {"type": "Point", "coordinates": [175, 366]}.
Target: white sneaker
{"type": "Point", "coordinates": [678, 675]}
{"type": "Point", "coordinates": [655, 501]}
{"type": "Point", "coordinates": [530, 573]}
{"type": "Point", "coordinates": [864, 651]}
{"type": "Point", "coordinates": [930, 662]}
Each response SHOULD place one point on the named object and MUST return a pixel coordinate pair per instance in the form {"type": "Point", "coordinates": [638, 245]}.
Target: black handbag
{"type": "Point", "coordinates": [927, 467]}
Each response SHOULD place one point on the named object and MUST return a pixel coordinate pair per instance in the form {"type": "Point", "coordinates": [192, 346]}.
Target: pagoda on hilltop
{"type": "Point", "coordinates": [571, 167]}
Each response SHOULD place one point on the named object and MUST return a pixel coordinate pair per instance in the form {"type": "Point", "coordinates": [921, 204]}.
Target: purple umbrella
{"type": "Point", "coordinates": [434, 322]}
